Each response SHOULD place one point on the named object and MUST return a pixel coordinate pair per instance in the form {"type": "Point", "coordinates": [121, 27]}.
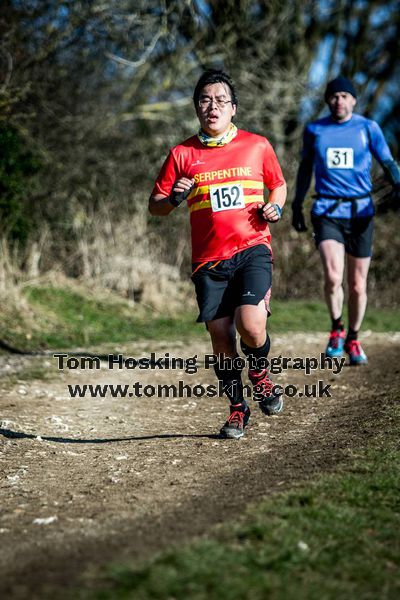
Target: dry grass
{"type": "Point", "coordinates": [122, 256]}
{"type": "Point", "coordinates": [118, 256]}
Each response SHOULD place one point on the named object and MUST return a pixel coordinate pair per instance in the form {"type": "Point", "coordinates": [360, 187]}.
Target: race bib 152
{"type": "Point", "coordinates": [226, 197]}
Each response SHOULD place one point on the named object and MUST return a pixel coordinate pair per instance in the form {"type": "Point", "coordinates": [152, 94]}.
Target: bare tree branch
{"type": "Point", "coordinates": [7, 77]}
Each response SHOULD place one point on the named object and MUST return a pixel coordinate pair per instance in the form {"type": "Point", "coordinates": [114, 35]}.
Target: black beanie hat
{"type": "Point", "coordinates": [340, 84]}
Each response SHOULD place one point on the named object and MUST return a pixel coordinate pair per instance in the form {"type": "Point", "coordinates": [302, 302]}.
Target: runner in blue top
{"type": "Point", "coordinates": [339, 149]}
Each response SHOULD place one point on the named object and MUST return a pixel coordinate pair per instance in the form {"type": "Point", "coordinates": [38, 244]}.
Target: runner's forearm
{"type": "Point", "coordinates": [392, 172]}
{"type": "Point", "coordinates": [278, 195]}
{"type": "Point", "coordinates": [160, 206]}
{"type": "Point", "coordinates": [303, 181]}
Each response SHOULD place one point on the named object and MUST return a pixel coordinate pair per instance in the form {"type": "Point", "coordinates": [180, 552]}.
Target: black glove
{"type": "Point", "coordinates": [175, 198]}
{"type": "Point", "coordinates": [298, 221]}
{"type": "Point", "coordinates": [390, 201]}
{"type": "Point", "coordinates": [277, 208]}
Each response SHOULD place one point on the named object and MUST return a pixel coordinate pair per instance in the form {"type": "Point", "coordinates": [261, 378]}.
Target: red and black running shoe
{"type": "Point", "coordinates": [237, 421]}
{"type": "Point", "coordinates": [263, 392]}
{"type": "Point", "coordinates": [356, 354]}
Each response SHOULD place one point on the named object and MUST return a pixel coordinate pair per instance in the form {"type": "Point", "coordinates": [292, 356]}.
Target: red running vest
{"type": "Point", "coordinates": [229, 182]}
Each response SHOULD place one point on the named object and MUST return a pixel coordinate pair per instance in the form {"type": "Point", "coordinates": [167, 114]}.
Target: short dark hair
{"type": "Point", "coordinates": [214, 76]}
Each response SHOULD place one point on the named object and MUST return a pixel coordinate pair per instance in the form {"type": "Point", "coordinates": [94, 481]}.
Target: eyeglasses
{"type": "Point", "coordinates": [206, 102]}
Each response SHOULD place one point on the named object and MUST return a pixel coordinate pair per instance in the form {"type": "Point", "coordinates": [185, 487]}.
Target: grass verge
{"type": "Point", "coordinates": [55, 317]}
{"type": "Point", "coordinates": [302, 315]}
{"type": "Point", "coordinates": [333, 538]}
{"type": "Point", "coordinates": [62, 317]}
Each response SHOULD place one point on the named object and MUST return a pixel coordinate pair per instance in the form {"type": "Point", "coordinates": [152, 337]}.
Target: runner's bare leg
{"type": "Point", "coordinates": [357, 273]}
{"type": "Point", "coordinates": [223, 336]}
{"type": "Point", "coordinates": [332, 255]}
{"type": "Point", "coordinates": [251, 322]}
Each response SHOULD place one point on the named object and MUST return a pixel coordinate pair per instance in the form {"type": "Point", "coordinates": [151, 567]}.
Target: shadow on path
{"type": "Point", "coordinates": [8, 433]}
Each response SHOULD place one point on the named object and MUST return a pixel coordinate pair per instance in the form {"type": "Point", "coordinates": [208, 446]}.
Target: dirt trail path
{"type": "Point", "coordinates": [125, 477]}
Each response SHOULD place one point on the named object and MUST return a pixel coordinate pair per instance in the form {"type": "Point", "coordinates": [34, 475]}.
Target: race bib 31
{"type": "Point", "coordinates": [340, 158]}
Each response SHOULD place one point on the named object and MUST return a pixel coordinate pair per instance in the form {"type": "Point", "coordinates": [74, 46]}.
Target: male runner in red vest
{"type": "Point", "coordinates": [222, 172]}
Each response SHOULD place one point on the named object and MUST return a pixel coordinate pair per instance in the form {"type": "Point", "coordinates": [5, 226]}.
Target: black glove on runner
{"type": "Point", "coordinates": [298, 221]}
{"type": "Point", "coordinates": [176, 198]}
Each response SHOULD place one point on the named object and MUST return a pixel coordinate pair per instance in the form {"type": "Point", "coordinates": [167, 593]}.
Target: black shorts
{"type": "Point", "coordinates": [356, 234]}
{"type": "Point", "coordinates": [223, 285]}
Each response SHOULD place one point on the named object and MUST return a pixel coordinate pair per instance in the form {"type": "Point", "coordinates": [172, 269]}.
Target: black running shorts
{"type": "Point", "coordinates": [223, 285]}
{"type": "Point", "coordinates": [356, 234]}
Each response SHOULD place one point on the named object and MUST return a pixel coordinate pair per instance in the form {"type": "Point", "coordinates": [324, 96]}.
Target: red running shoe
{"type": "Point", "coordinates": [237, 421]}
{"type": "Point", "coordinates": [270, 403]}
{"type": "Point", "coordinates": [335, 344]}
{"type": "Point", "coordinates": [356, 354]}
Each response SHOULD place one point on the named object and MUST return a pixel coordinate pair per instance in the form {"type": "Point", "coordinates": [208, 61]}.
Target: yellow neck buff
{"type": "Point", "coordinates": [212, 142]}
